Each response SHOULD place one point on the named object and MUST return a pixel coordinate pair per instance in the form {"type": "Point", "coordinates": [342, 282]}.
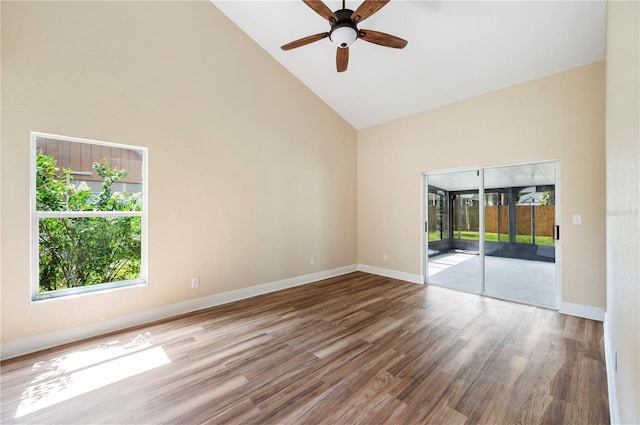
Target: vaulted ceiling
{"type": "Point", "coordinates": [456, 49]}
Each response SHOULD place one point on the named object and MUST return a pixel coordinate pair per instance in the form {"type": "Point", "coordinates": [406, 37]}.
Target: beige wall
{"type": "Point", "coordinates": [557, 117]}
{"type": "Point", "coordinates": [250, 174]}
{"type": "Point", "coordinates": [623, 203]}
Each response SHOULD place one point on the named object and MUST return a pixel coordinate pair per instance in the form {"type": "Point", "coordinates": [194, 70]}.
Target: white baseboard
{"type": "Point", "coordinates": [394, 274]}
{"type": "Point", "coordinates": [42, 342]}
{"type": "Point", "coordinates": [584, 311]}
{"type": "Point", "coordinates": [609, 355]}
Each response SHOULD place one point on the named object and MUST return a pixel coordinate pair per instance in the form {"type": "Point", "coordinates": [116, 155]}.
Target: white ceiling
{"type": "Point", "coordinates": [456, 50]}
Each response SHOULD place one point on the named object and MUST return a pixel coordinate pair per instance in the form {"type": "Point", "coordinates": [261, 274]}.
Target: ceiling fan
{"type": "Point", "coordinates": [344, 29]}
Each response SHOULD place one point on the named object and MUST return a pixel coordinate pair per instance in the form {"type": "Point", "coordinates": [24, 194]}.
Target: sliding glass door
{"type": "Point", "coordinates": [491, 231]}
{"type": "Point", "coordinates": [453, 230]}
{"type": "Point", "coordinates": [519, 246]}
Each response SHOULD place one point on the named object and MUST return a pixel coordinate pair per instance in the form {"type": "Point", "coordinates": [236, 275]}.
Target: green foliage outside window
{"type": "Point", "coordinates": [81, 251]}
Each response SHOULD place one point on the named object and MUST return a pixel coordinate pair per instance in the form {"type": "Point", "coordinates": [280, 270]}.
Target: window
{"type": "Point", "coordinates": [466, 215]}
{"type": "Point", "coordinates": [438, 214]}
{"type": "Point", "coordinates": [535, 215]}
{"type": "Point", "coordinates": [88, 216]}
{"type": "Point", "coordinates": [496, 215]}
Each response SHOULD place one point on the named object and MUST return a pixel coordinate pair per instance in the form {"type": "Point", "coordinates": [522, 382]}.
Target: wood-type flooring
{"type": "Point", "coordinates": [355, 349]}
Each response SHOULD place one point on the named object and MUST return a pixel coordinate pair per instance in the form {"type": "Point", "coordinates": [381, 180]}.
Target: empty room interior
{"type": "Point", "coordinates": [306, 212]}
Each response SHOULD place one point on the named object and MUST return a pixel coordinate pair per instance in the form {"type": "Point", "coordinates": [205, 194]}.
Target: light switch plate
{"type": "Point", "coordinates": [576, 219]}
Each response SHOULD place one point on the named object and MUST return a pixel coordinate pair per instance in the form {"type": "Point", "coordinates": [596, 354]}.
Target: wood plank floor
{"type": "Point", "coordinates": [356, 349]}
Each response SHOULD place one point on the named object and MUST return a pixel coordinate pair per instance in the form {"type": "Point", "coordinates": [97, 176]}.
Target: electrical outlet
{"type": "Point", "coordinates": [195, 282]}
{"type": "Point", "coordinates": [312, 261]}
{"type": "Point", "coordinates": [385, 257]}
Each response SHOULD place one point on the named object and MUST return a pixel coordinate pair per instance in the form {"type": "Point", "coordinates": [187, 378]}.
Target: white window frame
{"type": "Point", "coordinates": [37, 215]}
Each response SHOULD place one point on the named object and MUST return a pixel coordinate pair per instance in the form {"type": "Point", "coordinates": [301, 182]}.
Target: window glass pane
{"type": "Point", "coordinates": [73, 176]}
{"type": "Point", "coordinates": [496, 217]}
{"type": "Point", "coordinates": [438, 215]}
{"type": "Point", "coordinates": [76, 252]}
{"type": "Point", "coordinates": [524, 214]}
{"type": "Point", "coordinates": [466, 216]}
{"type": "Point", "coordinates": [545, 212]}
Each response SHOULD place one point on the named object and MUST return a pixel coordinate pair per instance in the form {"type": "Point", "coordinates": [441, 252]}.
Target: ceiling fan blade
{"type": "Point", "coordinates": [304, 41]}
{"type": "Point", "coordinates": [321, 9]}
{"type": "Point", "coordinates": [367, 8]}
{"type": "Point", "coordinates": [387, 40]}
{"type": "Point", "coordinates": [342, 59]}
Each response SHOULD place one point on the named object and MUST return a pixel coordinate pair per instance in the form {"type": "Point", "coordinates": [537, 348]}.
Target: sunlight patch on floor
{"type": "Point", "coordinates": [79, 373]}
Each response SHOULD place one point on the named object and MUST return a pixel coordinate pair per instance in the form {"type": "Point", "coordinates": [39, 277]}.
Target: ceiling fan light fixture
{"type": "Point", "coordinates": [343, 35]}
{"type": "Point", "coordinates": [344, 29]}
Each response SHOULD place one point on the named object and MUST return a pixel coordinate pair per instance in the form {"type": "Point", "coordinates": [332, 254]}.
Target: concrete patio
{"type": "Point", "coordinates": [525, 281]}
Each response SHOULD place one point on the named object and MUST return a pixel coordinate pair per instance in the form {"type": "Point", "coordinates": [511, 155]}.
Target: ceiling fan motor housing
{"type": "Point", "coordinates": [343, 31]}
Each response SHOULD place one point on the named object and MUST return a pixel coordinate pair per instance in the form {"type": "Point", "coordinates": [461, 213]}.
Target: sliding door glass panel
{"type": "Point", "coordinates": [519, 205]}
{"type": "Point", "coordinates": [453, 217]}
